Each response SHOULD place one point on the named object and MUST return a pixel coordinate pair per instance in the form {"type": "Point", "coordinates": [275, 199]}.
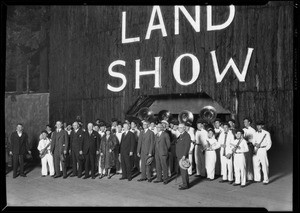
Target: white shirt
{"type": "Point", "coordinates": [58, 130]}
{"type": "Point", "coordinates": [154, 130]}
{"type": "Point", "coordinates": [243, 145]}
{"type": "Point", "coordinates": [248, 133]}
{"type": "Point", "coordinates": [201, 136]}
{"type": "Point", "coordinates": [43, 143]}
{"type": "Point", "coordinates": [213, 143]}
{"type": "Point", "coordinates": [119, 136]}
{"type": "Point", "coordinates": [229, 140]}
{"type": "Point", "coordinates": [19, 133]}
{"type": "Point", "coordinates": [258, 136]}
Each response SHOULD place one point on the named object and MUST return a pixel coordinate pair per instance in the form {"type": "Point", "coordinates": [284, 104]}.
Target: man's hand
{"type": "Point", "coordinates": [97, 152]}
{"type": "Point", "coordinates": [10, 152]}
{"type": "Point", "coordinates": [65, 152]}
{"type": "Point", "coordinates": [138, 154]}
{"type": "Point", "coordinates": [29, 151]}
{"type": "Point", "coordinates": [101, 154]}
{"type": "Point", "coordinates": [149, 155]}
{"type": "Point", "coordinates": [109, 150]}
{"type": "Point", "coordinates": [130, 153]}
{"type": "Point", "coordinates": [70, 151]}
{"type": "Point", "coordinates": [183, 157]}
{"type": "Point", "coordinates": [80, 152]}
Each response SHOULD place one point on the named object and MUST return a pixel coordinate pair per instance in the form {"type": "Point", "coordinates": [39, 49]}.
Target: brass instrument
{"type": "Point", "coordinates": [186, 117]}
{"type": "Point", "coordinates": [164, 115]}
{"type": "Point", "coordinates": [208, 113]}
{"type": "Point", "coordinates": [145, 114]}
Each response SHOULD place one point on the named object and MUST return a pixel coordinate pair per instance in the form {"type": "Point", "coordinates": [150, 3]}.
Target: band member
{"type": "Point", "coordinates": [183, 144]}
{"type": "Point", "coordinates": [114, 123]}
{"type": "Point", "coordinates": [136, 160]}
{"type": "Point", "coordinates": [49, 131]}
{"type": "Point", "coordinates": [239, 148]}
{"type": "Point", "coordinates": [118, 134]}
{"type": "Point", "coordinates": [145, 148]}
{"type": "Point", "coordinates": [210, 154]}
{"type": "Point", "coordinates": [225, 139]}
{"type": "Point", "coordinates": [69, 128]}
{"type": "Point", "coordinates": [101, 132]}
{"type": "Point", "coordinates": [248, 136]}
{"type": "Point", "coordinates": [262, 143]}
{"type": "Point", "coordinates": [162, 145]}
{"type": "Point", "coordinates": [107, 151]}
{"type": "Point", "coordinates": [44, 147]}
{"type": "Point", "coordinates": [200, 141]}
{"type": "Point", "coordinates": [18, 148]}
{"type": "Point", "coordinates": [218, 129]}
{"type": "Point", "coordinates": [173, 165]}
{"type": "Point", "coordinates": [189, 129]}
{"type": "Point", "coordinates": [153, 127]}
{"type": "Point", "coordinates": [59, 146]}
{"type": "Point", "coordinates": [76, 139]}
{"type": "Point", "coordinates": [232, 128]}
{"type": "Point", "coordinates": [126, 152]}
{"type": "Point", "coordinates": [90, 148]}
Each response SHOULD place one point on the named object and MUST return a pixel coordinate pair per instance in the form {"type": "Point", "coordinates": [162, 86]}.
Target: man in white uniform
{"type": "Point", "coordinates": [262, 143]}
{"type": "Point", "coordinates": [200, 142]}
{"type": "Point", "coordinates": [225, 139]}
{"type": "Point", "coordinates": [239, 147]}
{"type": "Point", "coordinates": [248, 136]}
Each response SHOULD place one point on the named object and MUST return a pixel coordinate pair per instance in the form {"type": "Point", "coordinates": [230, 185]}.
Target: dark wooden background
{"type": "Point", "coordinates": [85, 40]}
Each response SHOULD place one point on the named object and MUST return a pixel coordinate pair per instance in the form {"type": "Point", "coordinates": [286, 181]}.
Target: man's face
{"type": "Point", "coordinates": [96, 128]}
{"type": "Point", "coordinates": [171, 125]}
{"type": "Point", "coordinates": [175, 127]}
{"type": "Point", "coordinates": [19, 128]}
{"type": "Point", "coordinates": [126, 126]}
{"type": "Point", "coordinates": [181, 128]}
{"type": "Point", "coordinates": [259, 127]}
{"type": "Point", "coordinates": [114, 124]}
{"type": "Point", "coordinates": [217, 124]}
{"type": "Point", "coordinates": [226, 128]}
{"type": "Point", "coordinates": [152, 125]}
{"type": "Point", "coordinates": [90, 126]}
{"type": "Point", "coordinates": [246, 123]}
{"type": "Point", "coordinates": [210, 134]}
{"type": "Point", "coordinates": [159, 127]}
{"type": "Point", "coordinates": [75, 125]}
{"type": "Point", "coordinates": [48, 128]}
{"type": "Point", "coordinates": [238, 135]}
{"type": "Point", "coordinates": [199, 126]}
{"type": "Point", "coordinates": [133, 125]}
{"type": "Point", "coordinates": [44, 135]}
{"type": "Point", "coordinates": [58, 125]}
{"type": "Point", "coordinates": [102, 128]}
{"type": "Point", "coordinates": [119, 128]}
{"type": "Point", "coordinates": [145, 125]}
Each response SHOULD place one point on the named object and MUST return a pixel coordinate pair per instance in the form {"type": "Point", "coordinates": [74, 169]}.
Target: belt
{"type": "Point", "coordinates": [239, 153]}
{"type": "Point", "coordinates": [210, 150]}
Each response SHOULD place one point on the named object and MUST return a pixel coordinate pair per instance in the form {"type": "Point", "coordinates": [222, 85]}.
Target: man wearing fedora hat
{"type": "Point", "coordinates": [262, 143]}
{"type": "Point", "coordinates": [191, 131]}
{"type": "Point", "coordinates": [162, 145]}
{"type": "Point", "coordinates": [145, 149]}
{"type": "Point", "coordinates": [183, 144]}
{"type": "Point", "coordinates": [201, 136]}
{"type": "Point", "coordinates": [59, 146]}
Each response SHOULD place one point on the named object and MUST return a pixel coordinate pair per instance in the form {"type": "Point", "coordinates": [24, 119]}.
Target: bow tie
{"type": "Point", "coordinates": [260, 131]}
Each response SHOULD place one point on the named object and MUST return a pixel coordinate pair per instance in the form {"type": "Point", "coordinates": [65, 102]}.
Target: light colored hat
{"type": "Point", "coordinates": [164, 121]}
{"type": "Point", "coordinates": [184, 164]}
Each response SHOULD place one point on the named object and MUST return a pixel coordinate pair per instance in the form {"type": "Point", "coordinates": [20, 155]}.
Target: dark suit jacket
{"type": "Point", "coordinates": [127, 143]}
{"type": "Point", "coordinates": [91, 143]}
{"type": "Point", "coordinates": [76, 140]}
{"type": "Point", "coordinates": [59, 141]}
{"type": "Point", "coordinates": [162, 144]}
{"type": "Point", "coordinates": [183, 144]}
{"type": "Point", "coordinates": [146, 142]}
{"type": "Point", "coordinates": [19, 147]}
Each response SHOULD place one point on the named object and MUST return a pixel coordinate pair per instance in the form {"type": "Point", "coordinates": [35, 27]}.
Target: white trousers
{"type": "Point", "coordinates": [190, 169]}
{"type": "Point", "coordinates": [226, 167]}
{"type": "Point", "coordinates": [200, 161]}
{"type": "Point", "coordinates": [239, 163]}
{"type": "Point", "coordinates": [261, 158]}
{"type": "Point", "coordinates": [47, 159]}
{"type": "Point", "coordinates": [100, 170]}
{"type": "Point", "coordinates": [210, 163]}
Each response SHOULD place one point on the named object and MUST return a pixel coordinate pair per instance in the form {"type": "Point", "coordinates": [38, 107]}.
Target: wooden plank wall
{"type": "Point", "coordinates": [85, 40]}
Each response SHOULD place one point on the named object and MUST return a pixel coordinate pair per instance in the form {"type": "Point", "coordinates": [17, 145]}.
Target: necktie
{"type": "Point", "coordinates": [224, 153]}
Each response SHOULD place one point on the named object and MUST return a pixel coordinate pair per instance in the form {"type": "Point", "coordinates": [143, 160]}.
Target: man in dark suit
{"type": "Point", "coordinates": [76, 139]}
{"type": "Point", "coordinates": [182, 151]}
{"type": "Point", "coordinates": [90, 148]}
{"type": "Point", "coordinates": [18, 148]}
{"type": "Point", "coordinates": [59, 146]}
{"type": "Point", "coordinates": [126, 152]}
{"type": "Point", "coordinates": [145, 149]}
{"type": "Point", "coordinates": [162, 145]}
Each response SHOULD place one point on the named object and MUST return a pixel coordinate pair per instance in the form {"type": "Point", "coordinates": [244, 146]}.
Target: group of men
{"type": "Point", "coordinates": [156, 148]}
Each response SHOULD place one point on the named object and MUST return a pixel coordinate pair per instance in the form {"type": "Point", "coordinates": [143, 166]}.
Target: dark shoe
{"type": "Point", "coordinates": [109, 177]}
{"type": "Point", "coordinates": [23, 175]}
{"type": "Point", "coordinates": [183, 187]}
{"type": "Point", "coordinates": [242, 186]}
{"type": "Point", "coordinates": [211, 179]}
{"type": "Point", "coordinates": [85, 177]}
{"type": "Point", "coordinates": [142, 179]}
{"type": "Point", "coordinates": [197, 175]}
{"type": "Point", "coordinates": [129, 179]}
{"type": "Point", "coordinates": [157, 181]}
{"type": "Point", "coordinates": [79, 176]}
{"type": "Point", "coordinates": [122, 178]}
{"type": "Point", "coordinates": [93, 177]}
{"type": "Point", "coordinates": [255, 182]}
{"type": "Point", "coordinates": [231, 182]}
{"type": "Point", "coordinates": [235, 184]}
{"type": "Point", "coordinates": [64, 177]}
{"type": "Point", "coordinates": [149, 180]}
{"type": "Point", "coordinates": [15, 176]}
{"type": "Point", "coordinates": [51, 175]}
{"type": "Point", "coordinates": [223, 181]}
{"type": "Point", "coordinates": [72, 175]}
{"type": "Point", "coordinates": [43, 175]}
{"type": "Point", "coordinates": [265, 183]}
{"type": "Point", "coordinates": [166, 182]}
{"type": "Point", "coordinates": [57, 176]}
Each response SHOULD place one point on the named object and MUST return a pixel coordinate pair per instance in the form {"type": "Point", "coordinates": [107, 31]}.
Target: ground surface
{"type": "Point", "coordinates": [37, 191]}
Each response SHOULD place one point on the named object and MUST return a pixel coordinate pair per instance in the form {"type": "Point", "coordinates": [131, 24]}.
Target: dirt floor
{"type": "Point", "coordinates": [34, 190]}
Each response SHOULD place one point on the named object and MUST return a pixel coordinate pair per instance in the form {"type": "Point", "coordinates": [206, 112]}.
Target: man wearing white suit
{"type": "Point", "coordinates": [200, 142]}
{"type": "Point", "coordinates": [45, 146]}
{"type": "Point", "coordinates": [262, 143]}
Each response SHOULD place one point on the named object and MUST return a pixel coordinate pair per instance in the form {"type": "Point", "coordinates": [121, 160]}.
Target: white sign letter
{"type": "Point", "coordinates": [161, 25]}
{"type": "Point", "coordinates": [156, 72]}
{"type": "Point", "coordinates": [211, 27]}
{"type": "Point", "coordinates": [195, 23]}
{"type": "Point", "coordinates": [196, 69]}
{"type": "Point", "coordinates": [117, 75]}
{"type": "Point", "coordinates": [231, 63]}
{"type": "Point", "coordinates": [124, 39]}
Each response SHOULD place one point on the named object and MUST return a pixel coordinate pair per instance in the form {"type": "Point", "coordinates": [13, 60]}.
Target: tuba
{"type": "Point", "coordinates": [208, 113]}
{"type": "Point", "coordinates": [145, 114]}
{"type": "Point", "coordinates": [164, 115]}
{"type": "Point", "coordinates": [186, 117]}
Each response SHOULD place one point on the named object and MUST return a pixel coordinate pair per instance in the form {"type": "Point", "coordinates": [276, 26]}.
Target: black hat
{"type": "Point", "coordinates": [260, 123]}
{"type": "Point", "coordinates": [232, 120]}
{"type": "Point", "coordinates": [102, 123]}
{"type": "Point", "coordinates": [114, 120]}
{"type": "Point", "coordinates": [226, 123]}
{"type": "Point", "coordinates": [239, 130]}
{"type": "Point", "coordinates": [44, 131]}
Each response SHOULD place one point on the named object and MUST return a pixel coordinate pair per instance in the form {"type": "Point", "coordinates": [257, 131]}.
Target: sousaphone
{"type": "Point", "coordinates": [164, 115]}
{"type": "Point", "coordinates": [145, 114]}
{"type": "Point", "coordinates": [186, 117]}
{"type": "Point", "coordinates": [208, 113]}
